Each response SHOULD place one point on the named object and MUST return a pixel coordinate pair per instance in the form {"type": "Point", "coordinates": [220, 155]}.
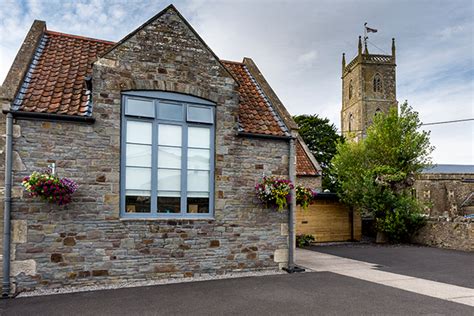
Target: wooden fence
{"type": "Point", "coordinates": [328, 220]}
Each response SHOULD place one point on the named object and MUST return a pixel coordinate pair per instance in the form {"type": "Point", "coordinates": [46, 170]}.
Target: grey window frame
{"type": "Point", "coordinates": [184, 100]}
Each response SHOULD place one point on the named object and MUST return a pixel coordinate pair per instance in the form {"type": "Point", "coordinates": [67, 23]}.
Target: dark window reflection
{"type": "Point", "coordinates": [137, 204]}
{"type": "Point", "coordinates": [169, 204]}
{"type": "Point", "coordinates": [198, 205]}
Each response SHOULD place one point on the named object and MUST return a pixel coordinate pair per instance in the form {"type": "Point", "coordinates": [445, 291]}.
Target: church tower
{"type": "Point", "coordinates": [368, 87]}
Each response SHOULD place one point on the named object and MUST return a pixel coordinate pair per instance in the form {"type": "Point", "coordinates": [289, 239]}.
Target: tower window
{"type": "Point", "coordinates": [350, 89]}
{"type": "Point", "coordinates": [377, 83]}
{"type": "Point", "coordinates": [351, 118]}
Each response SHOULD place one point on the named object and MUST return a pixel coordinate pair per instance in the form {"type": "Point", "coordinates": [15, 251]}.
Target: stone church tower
{"type": "Point", "coordinates": [368, 87]}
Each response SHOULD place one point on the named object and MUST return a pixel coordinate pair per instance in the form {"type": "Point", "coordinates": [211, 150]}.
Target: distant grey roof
{"type": "Point", "coordinates": [450, 169]}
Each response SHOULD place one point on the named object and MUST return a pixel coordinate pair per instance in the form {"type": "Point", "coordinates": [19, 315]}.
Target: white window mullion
{"type": "Point", "coordinates": [154, 164]}
{"type": "Point", "coordinates": [184, 170]}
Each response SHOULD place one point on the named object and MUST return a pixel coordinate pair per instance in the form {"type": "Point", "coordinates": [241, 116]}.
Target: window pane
{"type": "Point", "coordinates": [138, 155]}
{"type": "Point", "coordinates": [139, 108]}
{"type": "Point", "coordinates": [138, 132]}
{"type": "Point", "coordinates": [170, 111]}
{"type": "Point", "coordinates": [169, 157]}
{"type": "Point", "coordinates": [138, 178]}
{"type": "Point", "coordinates": [169, 180]}
{"type": "Point", "coordinates": [198, 159]}
{"type": "Point", "coordinates": [169, 204]}
{"type": "Point", "coordinates": [198, 205]}
{"type": "Point", "coordinates": [199, 137]}
{"type": "Point", "coordinates": [137, 203]}
{"type": "Point", "coordinates": [199, 114]}
{"type": "Point", "coordinates": [198, 181]}
{"type": "Point", "coordinates": [169, 135]}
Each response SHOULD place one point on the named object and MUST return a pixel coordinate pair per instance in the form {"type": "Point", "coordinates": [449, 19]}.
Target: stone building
{"type": "Point", "coordinates": [166, 142]}
{"type": "Point", "coordinates": [447, 192]}
{"type": "Point", "coordinates": [368, 87]}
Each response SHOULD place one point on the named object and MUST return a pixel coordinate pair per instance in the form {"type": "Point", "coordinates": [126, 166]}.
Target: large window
{"type": "Point", "coordinates": [167, 155]}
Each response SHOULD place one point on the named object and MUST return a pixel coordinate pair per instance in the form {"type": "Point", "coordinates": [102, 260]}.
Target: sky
{"type": "Point", "coordinates": [298, 47]}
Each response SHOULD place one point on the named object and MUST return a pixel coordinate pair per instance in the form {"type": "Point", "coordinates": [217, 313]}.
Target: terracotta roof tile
{"type": "Point", "coordinates": [55, 80]}
{"type": "Point", "coordinates": [304, 166]}
{"type": "Point", "coordinates": [256, 115]}
{"type": "Point", "coordinates": [55, 84]}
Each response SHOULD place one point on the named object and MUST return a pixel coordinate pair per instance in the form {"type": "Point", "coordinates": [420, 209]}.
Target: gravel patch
{"type": "Point", "coordinates": [204, 277]}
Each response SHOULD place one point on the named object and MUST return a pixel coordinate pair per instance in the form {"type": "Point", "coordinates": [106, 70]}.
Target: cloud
{"type": "Point", "coordinates": [308, 57]}
{"type": "Point", "coordinates": [298, 47]}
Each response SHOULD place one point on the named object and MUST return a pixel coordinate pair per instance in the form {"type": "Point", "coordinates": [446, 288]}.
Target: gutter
{"type": "Point", "coordinates": [7, 206]}
{"type": "Point", "coordinates": [50, 116]}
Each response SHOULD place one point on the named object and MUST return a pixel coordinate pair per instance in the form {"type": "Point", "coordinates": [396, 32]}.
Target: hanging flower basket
{"type": "Point", "coordinates": [304, 196]}
{"type": "Point", "coordinates": [50, 187]}
{"type": "Point", "coordinates": [276, 193]}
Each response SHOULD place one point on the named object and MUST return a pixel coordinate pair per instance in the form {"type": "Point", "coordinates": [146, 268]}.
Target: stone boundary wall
{"type": "Point", "coordinates": [457, 234]}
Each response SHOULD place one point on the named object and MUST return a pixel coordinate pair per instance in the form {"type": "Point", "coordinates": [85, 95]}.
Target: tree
{"type": "Point", "coordinates": [376, 174]}
{"type": "Point", "coordinates": [321, 138]}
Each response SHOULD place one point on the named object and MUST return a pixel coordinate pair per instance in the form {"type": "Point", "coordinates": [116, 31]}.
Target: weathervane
{"type": "Point", "coordinates": [367, 30]}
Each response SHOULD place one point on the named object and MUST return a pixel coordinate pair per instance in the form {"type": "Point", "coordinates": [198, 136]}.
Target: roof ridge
{"type": "Point", "coordinates": [84, 38]}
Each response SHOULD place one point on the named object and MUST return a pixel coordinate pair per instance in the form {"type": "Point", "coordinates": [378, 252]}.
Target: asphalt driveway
{"type": "Point", "coordinates": [298, 294]}
{"type": "Point", "coordinates": [441, 265]}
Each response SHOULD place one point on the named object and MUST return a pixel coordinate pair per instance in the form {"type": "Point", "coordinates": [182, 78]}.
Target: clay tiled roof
{"type": "Point", "coordinates": [256, 114]}
{"type": "Point", "coordinates": [55, 80]}
{"type": "Point", "coordinates": [304, 166]}
{"type": "Point", "coordinates": [55, 84]}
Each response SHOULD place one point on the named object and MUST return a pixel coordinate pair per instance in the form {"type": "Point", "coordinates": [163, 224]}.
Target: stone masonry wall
{"type": "Point", "coordinates": [310, 182]}
{"type": "Point", "coordinates": [457, 235]}
{"type": "Point", "coordinates": [86, 242]}
{"type": "Point", "coordinates": [444, 194]}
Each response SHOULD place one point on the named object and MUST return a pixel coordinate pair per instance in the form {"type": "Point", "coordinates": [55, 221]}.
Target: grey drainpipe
{"type": "Point", "coordinates": [7, 206]}
{"type": "Point", "coordinates": [291, 215]}
{"type": "Point", "coordinates": [291, 212]}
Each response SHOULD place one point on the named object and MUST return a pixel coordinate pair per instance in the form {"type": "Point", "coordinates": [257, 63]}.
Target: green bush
{"type": "Point", "coordinates": [403, 221]}
{"type": "Point", "coordinates": [304, 240]}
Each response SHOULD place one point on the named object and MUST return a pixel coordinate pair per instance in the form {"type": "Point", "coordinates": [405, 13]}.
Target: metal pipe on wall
{"type": "Point", "coordinates": [7, 206]}
{"type": "Point", "coordinates": [292, 208]}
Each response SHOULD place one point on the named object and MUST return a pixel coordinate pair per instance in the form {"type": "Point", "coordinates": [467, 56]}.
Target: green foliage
{"type": "Point", "coordinates": [405, 219]}
{"type": "Point", "coordinates": [304, 196]}
{"type": "Point", "coordinates": [321, 137]}
{"type": "Point", "coordinates": [304, 240]}
{"type": "Point", "coordinates": [376, 173]}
